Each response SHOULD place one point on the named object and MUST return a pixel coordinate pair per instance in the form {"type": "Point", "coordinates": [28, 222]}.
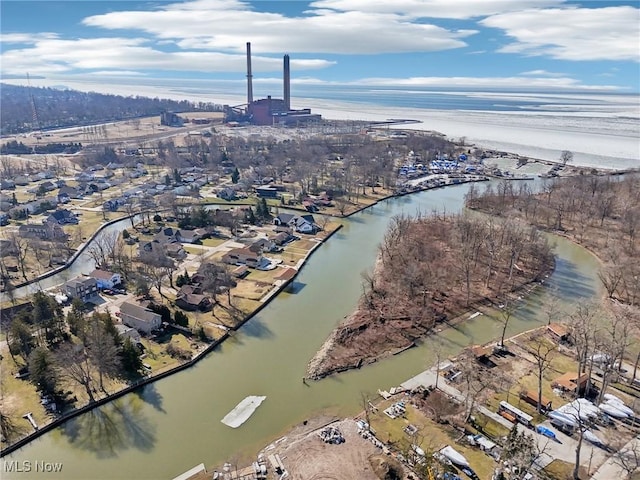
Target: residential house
{"type": "Point", "coordinates": [7, 185]}
{"type": "Point", "coordinates": [45, 231]}
{"type": "Point", "coordinates": [240, 271]}
{"type": "Point", "coordinates": [310, 206]}
{"type": "Point", "coordinates": [263, 245]}
{"type": "Point", "coordinates": [21, 180]}
{"type": "Point", "coordinates": [166, 235]}
{"type": "Point", "coordinates": [190, 236]}
{"type": "Point", "coordinates": [105, 278]}
{"type": "Point", "coordinates": [45, 175]}
{"type": "Point", "coordinates": [571, 382]}
{"type": "Point", "coordinates": [242, 256]}
{"type": "Point", "coordinates": [139, 317]}
{"type": "Point", "coordinates": [84, 288]}
{"type": "Point", "coordinates": [69, 192]}
{"type": "Point", "coordinates": [299, 223]}
{"type": "Point", "coordinates": [62, 217]}
{"type": "Point", "coordinates": [48, 186]}
{"type": "Point", "coordinates": [282, 238]}
{"type": "Point", "coordinates": [175, 250]}
{"type": "Point", "coordinates": [85, 177]}
{"type": "Point", "coordinates": [193, 301]}
{"type": "Point", "coordinates": [128, 332]}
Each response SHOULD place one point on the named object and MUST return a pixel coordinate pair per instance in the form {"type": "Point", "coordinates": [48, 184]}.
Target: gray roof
{"type": "Point", "coordinates": [86, 281]}
{"type": "Point", "coordinates": [138, 311]}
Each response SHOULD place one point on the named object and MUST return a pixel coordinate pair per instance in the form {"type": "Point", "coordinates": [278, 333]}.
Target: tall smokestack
{"type": "Point", "coordinates": [287, 84]}
{"type": "Point", "coordinates": [249, 76]}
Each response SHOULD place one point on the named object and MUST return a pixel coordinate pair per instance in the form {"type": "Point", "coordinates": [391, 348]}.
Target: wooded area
{"type": "Point", "coordinates": [600, 212]}
{"type": "Point", "coordinates": [431, 269]}
{"type": "Point", "coordinates": [62, 108]}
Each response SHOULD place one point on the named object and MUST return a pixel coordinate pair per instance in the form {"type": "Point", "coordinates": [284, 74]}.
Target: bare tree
{"type": "Point", "coordinates": [566, 157]}
{"type": "Point", "coordinates": [543, 352]}
{"type": "Point", "coordinates": [157, 266]}
{"type": "Point", "coordinates": [627, 457]}
{"type": "Point", "coordinates": [507, 309]}
{"type": "Point", "coordinates": [20, 246]}
{"type": "Point", "coordinates": [74, 364]}
{"type": "Point", "coordinates": [102, 348]}
{"type": "Point", "coordinates": [102, 248]}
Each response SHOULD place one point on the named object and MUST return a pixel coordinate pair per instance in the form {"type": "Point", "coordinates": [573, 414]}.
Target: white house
{"type": "Point", "coordinates": [106, 279]}
{"type": "Point", "coordinates": [300, 223]}
{"type": "Point", "coordinates": [139, 317]}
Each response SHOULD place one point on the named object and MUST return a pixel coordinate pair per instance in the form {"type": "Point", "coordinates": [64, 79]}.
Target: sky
{"type": "Point", "coordinates": [543, 45]}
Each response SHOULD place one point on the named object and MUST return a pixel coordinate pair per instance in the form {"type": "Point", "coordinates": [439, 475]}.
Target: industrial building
{"type": "Point", "coordinates": [269, 111]}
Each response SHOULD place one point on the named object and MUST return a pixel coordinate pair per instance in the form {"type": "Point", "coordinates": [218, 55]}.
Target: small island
{"type": "Point", "coordinates": [432, 269]}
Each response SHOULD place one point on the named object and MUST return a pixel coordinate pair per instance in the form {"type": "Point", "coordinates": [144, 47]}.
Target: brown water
{"type": "Point", "coordinates": [168, 427]}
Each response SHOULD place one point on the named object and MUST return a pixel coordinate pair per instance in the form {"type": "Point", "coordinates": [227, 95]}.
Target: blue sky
{"type": "Point", "coordinates": [546, 45]}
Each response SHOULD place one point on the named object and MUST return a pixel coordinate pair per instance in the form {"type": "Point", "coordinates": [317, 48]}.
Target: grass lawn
{"type": "Point", "coordinates": [213, 242]}
{"type": "Point", "coordinates": [193, 249]}
{"type": "Point", "coordinates": [288, 257]}
{"type": "Point", "coordinates": [89, 222]}
{"type": "Point", "coordinates": [158, 358]}
{"type": "Point", "coordinates": [247, 289]}
{"type": "Point", "coordinates": [265, 276]}
{"type": "Point", "coordinates": [490, 427]}
{"type": "Point", "coordinates": [561, 470]}
{"type": "Point", "coordinates": [19, 397]}
{"type": "Point", "coordinates": [430, 436]}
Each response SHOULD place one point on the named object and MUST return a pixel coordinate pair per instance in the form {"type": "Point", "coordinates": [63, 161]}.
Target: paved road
{"type": "Point", "coordinates": [612, 469]}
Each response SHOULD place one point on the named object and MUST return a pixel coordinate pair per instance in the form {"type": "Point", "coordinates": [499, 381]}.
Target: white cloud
{"type": "Point", "coordinates": [28, 38]}
{"type": "Point", "coordinates": [58, 56]}
{"type": "Point", "coordinates": [457, 9]}
{"type": "Point", "coordinates": [542, 73]}
{"type": "Point", "coordinates": [610, 33]}
{"type": "Point", "coordinates": [228, 25]}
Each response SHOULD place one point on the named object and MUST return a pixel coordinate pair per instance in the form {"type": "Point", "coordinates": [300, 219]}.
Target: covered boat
{"type": "Point", "coordinates": [589, 436]}
{"type": "Point", "coordinates": [563, 419]}
{"type": "Point", "coordinates": [454, 456]}
{"type": "Point", "coordinates": [620, 406]}
{"type": "Point", "coordinates": [609, 396]}
{"type": "Point", "coordinates": [612, 411]}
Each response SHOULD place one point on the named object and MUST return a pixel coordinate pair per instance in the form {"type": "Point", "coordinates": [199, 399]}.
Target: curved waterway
{"type": "Point", "coordinates": [169, 426]}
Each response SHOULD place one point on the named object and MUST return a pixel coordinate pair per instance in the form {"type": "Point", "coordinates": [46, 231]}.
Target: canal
{"type": "Point", "coordinates": [169, 426]}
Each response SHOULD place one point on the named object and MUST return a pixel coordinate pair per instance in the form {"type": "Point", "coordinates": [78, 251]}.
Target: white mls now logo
{"type": "Point", "coordinates": [25, 466]}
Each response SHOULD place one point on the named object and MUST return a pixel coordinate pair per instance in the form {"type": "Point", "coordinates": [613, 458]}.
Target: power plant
{"type": "Point", "coordinates": [269, 111]}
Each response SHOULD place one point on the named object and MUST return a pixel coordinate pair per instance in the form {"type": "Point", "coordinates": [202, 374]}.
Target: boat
{"type": "Point", "coordinates": [609, 396]}
{"type": "Point", "coordinates": [455, 457]}
{"type": "Point", "coordinates": [589, 436]}
{"type": "Point", "coordinates": [563, 419]}
{"type": "Point", "coordinates": [621, 406]}
{"type": "Point", "coordinates": [612, 411]}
